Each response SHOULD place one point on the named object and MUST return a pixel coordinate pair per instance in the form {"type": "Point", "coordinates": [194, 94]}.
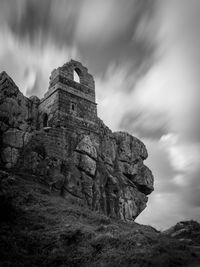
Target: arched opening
{"type": "Point", "coordinates": [76, 75]}
{"type": "Point", "coordinates": [45, 120]}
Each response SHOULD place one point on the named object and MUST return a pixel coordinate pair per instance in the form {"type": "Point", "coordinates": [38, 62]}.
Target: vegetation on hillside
{"type": "Point", "coordinates": [41, 228]}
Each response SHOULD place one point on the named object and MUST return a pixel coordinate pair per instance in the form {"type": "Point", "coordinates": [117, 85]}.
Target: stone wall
{"type": "Point", "coordinates": [49, 104]}
{"type": "Point", "coordinates": [83, 108]}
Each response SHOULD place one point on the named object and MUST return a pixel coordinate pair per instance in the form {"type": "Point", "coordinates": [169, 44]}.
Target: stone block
{"type": "Point", "coordinates": [14, 138]}
{"type": "Point", "coordinates": [87, 164]}
{"type": "Point", "coordinates": [86, 146]}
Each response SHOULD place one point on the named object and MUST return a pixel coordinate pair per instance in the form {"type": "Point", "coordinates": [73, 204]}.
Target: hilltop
{"type": "Point", "coordinates": [41, 228]}
{"type": "Point", "coordinates": [61, 139]}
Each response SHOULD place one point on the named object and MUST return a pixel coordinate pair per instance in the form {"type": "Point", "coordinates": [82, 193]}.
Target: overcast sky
{"type": "Point", "coordinates": [145, 58]}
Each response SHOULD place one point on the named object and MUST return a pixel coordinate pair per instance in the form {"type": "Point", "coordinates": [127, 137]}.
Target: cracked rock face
{"type": "Point", "coordinates": [101, 169]}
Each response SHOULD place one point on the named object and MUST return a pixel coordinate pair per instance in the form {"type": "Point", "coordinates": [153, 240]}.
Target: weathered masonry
{"type": "Point", "coordinates": [67, 101]}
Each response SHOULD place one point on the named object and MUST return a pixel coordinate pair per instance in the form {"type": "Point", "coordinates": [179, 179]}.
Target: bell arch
{"type": "Point", "coordinates": [76, 75]}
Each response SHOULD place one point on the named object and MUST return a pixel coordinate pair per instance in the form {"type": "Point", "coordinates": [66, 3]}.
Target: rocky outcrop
{"type": "Point", "coordinates": [82, 159]}
{"type": "Point", "coordinates": [18, 116]}
{"type": "Point", "coordinates": [185, 230]}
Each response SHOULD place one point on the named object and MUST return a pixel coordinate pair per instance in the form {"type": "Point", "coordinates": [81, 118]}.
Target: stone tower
{"type": "Point", "coordinates": [69, 103]}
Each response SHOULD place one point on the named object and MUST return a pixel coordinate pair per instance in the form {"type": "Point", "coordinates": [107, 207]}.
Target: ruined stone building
{"type": "Point", "coordinates": [68, 103]}
{"type": "Point", "coordinates": [61, 140]}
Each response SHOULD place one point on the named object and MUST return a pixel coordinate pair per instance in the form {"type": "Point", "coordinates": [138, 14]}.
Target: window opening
{"type": "Point", "coordinates": [76, 76]}
{"type": "Point", "coordinates": [73, 107]}
{"type": "Point", "coordinates": [45, 120]}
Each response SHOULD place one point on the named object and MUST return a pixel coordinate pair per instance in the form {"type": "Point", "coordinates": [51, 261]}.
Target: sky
{"type": "Point", "coordinates": [145, 59]}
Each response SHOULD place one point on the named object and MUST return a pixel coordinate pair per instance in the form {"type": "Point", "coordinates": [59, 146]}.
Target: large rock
{"type": "Point", "coordinates": [144, 180]}
{"type": "Point", "coordinates": [129, 147]}
{"type": "Point", "coordinates": [85, 146]}
{"type": "Point", "coordinates": [18, 117]}
{"type": "Point", "coordinates": [85, 163]}
{"type": "Point", "coordinates": [73, 152]}
{"type": "Point", "coordinates": [108, 149]}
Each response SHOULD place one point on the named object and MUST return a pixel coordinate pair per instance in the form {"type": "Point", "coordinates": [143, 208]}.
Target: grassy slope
{"type": "Point", "coordinates": [42, 229]}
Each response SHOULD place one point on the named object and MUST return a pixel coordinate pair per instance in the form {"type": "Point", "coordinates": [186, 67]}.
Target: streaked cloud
{"type": "Point", "coordinates": [144, 55]}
